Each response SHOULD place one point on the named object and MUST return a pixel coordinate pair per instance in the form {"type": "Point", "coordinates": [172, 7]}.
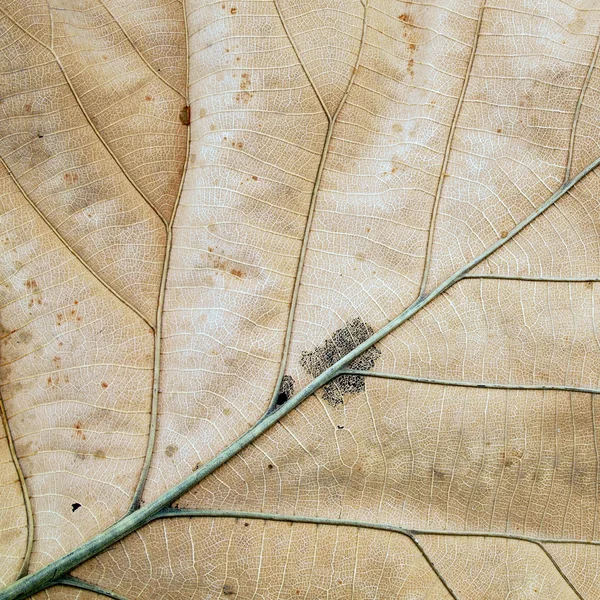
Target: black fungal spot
{"type": "Point", "coordinates": [228, 590]}
{"type": "Point", "coordinates": [340, 426]}
{"type": "Point", "coordinates": [286, 391]}
{"type": "Point", "coordinates": [75, 506]}
{"type": "Point", "coordinates": [342, 342]}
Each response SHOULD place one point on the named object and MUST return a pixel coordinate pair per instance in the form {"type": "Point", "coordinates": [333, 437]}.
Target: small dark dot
{"type": "Point", "coordinates": [246, 524]}
{"type": "Point", "coordinates": [340, 426]}
{"type": "Point", "coordinates": [282, 398]}
{"type": "Point", "coordinates": [40, 135]}
{"type": "Point", "coordinates": [269, 466]}
{"type": "Point", "coordinates": [75, 506]}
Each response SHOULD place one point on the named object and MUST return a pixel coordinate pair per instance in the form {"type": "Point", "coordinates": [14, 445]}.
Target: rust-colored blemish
{"type": "Point", "coordinates": [243, 97]}
{"type": "Point", "coordinates": [237, 273]}
{"type": "Point", "coordinates": [245, 82]}
{"type": "Point", "coordinates": [78, 427]}
{"type": "Point", "coordinates": [148, 98]}
{"type": "Point", "coordinates": [71, 178]}
{"type": "Point", "coordinates": [233, 10]}
{"type": "Point", "coordinates": [104, 384]}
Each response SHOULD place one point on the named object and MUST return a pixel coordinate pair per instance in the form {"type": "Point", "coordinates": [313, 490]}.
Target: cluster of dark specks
{"type": "Point", "coordinates": [342, 342]}
{"type": "Point", "coordinates": [286, 390]}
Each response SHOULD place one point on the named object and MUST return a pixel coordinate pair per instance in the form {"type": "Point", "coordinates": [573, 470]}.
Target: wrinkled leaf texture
{"type": "Point", "coordinates": [207, 204]}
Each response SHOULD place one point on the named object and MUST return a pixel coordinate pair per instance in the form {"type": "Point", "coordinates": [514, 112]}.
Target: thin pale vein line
{"type": "Point", "coordinates": [300, 61]}
{"type": "Point", "coordinates": [75, 582]}
{"type": "Point", "coordinates": [25, 587]}
{"type": "Point", "coordinates": [578, 108]}
{"type": "Point", "coordinates": [87, 117]}
{"type": "Point", "coordinates": [410, 534]}
{"type": "Point", "coordinates": [24, 491]}
{"type": "Point", "coordinates": [139, 53]}
{"type": "Point", "coordinates": [236, 514]}
{"type": "Point", "coordinates": [66, 244]}
{"type": "Point", "coordinates": [139, 490]}
{"type": "Point", "coordinates": [442, 176]}
{"type": "Point", "coordinates": [473, 384]}
{"type": "Point", "coordinates": [560, 571]}
{"type": "Point", "coordinates": [313, 201]}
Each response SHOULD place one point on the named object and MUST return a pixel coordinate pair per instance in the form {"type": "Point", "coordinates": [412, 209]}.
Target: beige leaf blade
{"type": "Point", "coordinates": [90, 169]}
{"type": "Point", "coordinates": [351, 165]}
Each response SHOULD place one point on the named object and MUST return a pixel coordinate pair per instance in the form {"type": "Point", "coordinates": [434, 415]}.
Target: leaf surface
{"type": "Point", "coordinates": [363, 236]}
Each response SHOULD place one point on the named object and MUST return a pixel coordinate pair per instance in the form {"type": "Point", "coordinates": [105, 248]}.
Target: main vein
{"type": "Point", "coordinates": [29, 585]}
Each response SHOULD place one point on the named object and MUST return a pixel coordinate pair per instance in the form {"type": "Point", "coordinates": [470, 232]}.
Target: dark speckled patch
{"type": "Point", "coordinates": [342, 341]}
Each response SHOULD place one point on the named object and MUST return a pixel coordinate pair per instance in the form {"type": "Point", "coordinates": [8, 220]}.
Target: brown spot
{"type": "Point", "coordinates": [27, 108]}
{"type": "Point", "coordinates": [498, 130]}
{"type": "Point", "coordinates": [254, 177]}
{"type": "Point", "coordinates": [210, 248]}
{"type": "Point", "coordinates": [238, 145]}
{"type": "Point", "coordinates": [78, 427]}
{"type": "Point", "coordinates": [245, 82]}
{"type": "Point", "coordinates": [185, 115]}
{"type": "Point", "coordinates": [233, 10]}
{"type": "Point", "coordinates": [171, 450]}
{"type": "Point", "coordinates": [148, 98]}
{"type": "Point", "coordinates": [397, 128]}
{"type": "Point", "coordinates": [405, 18]}
{"type": "Point", "coordinates": [237, 273]}
{"type": "Point", "coordinates": [104, 384]}
{"type": "Point", "coordinates": [100, 454]}
{"type": "Point", "coordinates": [243, 97]}
{"type": "Point", "coordinates": [202, 113]}
{"type": "Point", "coordinates": [31, 284]}
{"type": "Point", "coordinates": [589, 284]}
{"type": "Point", "coordinates": [439, 475]}
{"type": "Point", "coordinates": [71, 178]}
{"type": "Point", "coordinates": [411, 64]}
{"type": "Point", "coordinates": [269, 466]}
{"type": "Point", "coordinates": [503, 234]}
{"type": "Point", "coordinates": [412, 47]}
